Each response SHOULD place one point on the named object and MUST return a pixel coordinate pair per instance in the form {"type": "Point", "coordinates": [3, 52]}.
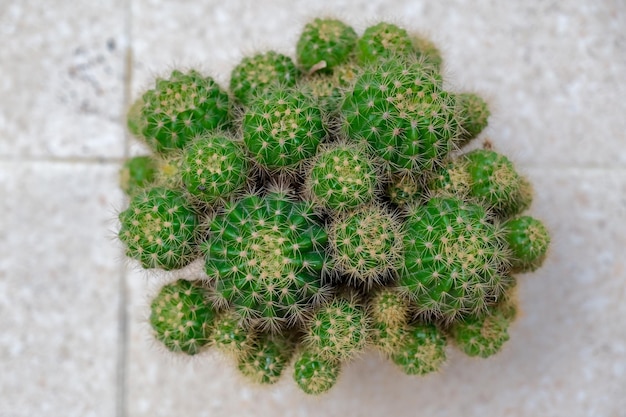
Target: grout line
{"type": "Point", "coordinates": [123, 318]}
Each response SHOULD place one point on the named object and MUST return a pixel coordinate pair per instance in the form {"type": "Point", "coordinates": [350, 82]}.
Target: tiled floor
{"type": "Point", "coordinates": [73, 338]}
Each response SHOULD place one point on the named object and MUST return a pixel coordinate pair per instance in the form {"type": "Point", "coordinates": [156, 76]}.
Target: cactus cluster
{"type": "Point", "coordinates": [333, 206]}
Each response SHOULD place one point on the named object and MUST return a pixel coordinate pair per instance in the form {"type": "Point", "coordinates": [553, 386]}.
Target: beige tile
{"type": "Point", "coordinates": [59, 289]}
{"type": "Point", "coordinates": [62, 87]}
{"type": "Point", "coordinates": [566, 355]}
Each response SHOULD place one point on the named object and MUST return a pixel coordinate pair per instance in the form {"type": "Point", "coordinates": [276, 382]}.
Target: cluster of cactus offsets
{"type": "Point", "coordinates": [333, 207]}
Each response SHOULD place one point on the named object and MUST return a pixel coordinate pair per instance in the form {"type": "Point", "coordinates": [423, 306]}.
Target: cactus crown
{"type": "Point", "coordinates": [180, 108]}
{"type": "Point", "coordinates": [257, 74]}
{"type": "Point", "coordinates": [454, 258]}
{"type": "Point", "coordinates": [213, 167]}
{"type": "Point", "coordinates": [283, 128]}
{"type": "Point", "coordinates": [159, 229]}
{"type": "Point", "coordinates": [367, 245]}
{"type": "Point", "coordinates": [338, 330]}
{"type": "Point", "coordinates": [342, 177]}
{"type": "Point", "coordinates": [399, 109]}
{"type": "Point", "coordinates": [267, 257]}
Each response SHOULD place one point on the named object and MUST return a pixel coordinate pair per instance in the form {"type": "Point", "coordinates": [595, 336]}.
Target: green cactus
{"type": "Point", "coordinates": [314, 374]}
{"type": "Point", "coordinates": [283, 128]}
{"type": "Point", "coordinates": [390, 313]}
{"type": "Point", "coordinates": [404, 190]}
{"type": "Point", "coordinates": [137, 173]}
{"type": "Point", "coordinates": [325, 43]}
{"type": "Point", "coordinates": [333, 213]}
{"type": "Point", "coordinates": [168, 173]}
{"type": "Point", "coordinates": [256, 75]}
{"type": "Point", "coordinates": [134, 119]}
{"type": "Point", "coordinates": [389, 307]}
{"type": "Point", "coordinates": [342, 177]}
{"type": "Point", "coordinates": [159, 229]}
{"type": "Point", "coordinates": [398, 108]}
{"type": "Point", "coordinates": [231, 336]}
{"type": "Point", "coordinates": [325, 90]}
{"type": "Point", "coordinates": [328, 87]}
{"type": "Point", "coordinates": [528, 241]}
{"type": "Point", "coordinates": [337, 330]}
{"type": "Point", "coordinates": [181, 317]}
{"type": "Point", "coordinates": [266, 359]}
{"type": "Point", "coordinates": [454, 259]}
{"type": "Point", "coordinates": [485, 334]}
{"type": "Point", "coordinates": [383, 40]}
{"type": "Point", "coordinates": [452, 180]}
{"type": "Point", "coordinates": [474, 115]}
{"type": "Point", "coordinates": [214, 167]}
{"type": "Point", "coordinates": [367, 245]}
{"type": "Point", "coordinates": [421, 350]}
{"type": "Point", "coordinates": [487, 177]}
{"type": "Point", "coordinates": [386, 338]}
{"type": "Point", "coordinates": [267, 255]}
{"type": "Point", "coordinates": [181, 108]}
{"type": "Point", "coordinates": [496, 183]}
{"type": "Point", "coordinates": [346, 74]}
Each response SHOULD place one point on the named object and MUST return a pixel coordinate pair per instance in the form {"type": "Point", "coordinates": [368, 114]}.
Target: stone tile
{"type": "Point", "coordinates": [566, 355]}
{"type": "Point", "coordinates": [63, 66]}
{"type": "Point", "coordinates": [59, 289]}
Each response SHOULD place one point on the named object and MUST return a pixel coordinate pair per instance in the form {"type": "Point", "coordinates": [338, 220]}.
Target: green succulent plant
{"type": "Point", "coordinates": [160, 229]}
{"type": "Point", "coordinates": [334, 207]}
{"type": "Point", "coordinates": [180, 108]}
{"type": "Point", "coordinates": [182, 317]}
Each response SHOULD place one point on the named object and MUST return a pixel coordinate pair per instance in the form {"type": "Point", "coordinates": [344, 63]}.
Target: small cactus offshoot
{"type": "Point", "coordinates": [282, 128]}
{"type": "Point", "coordinates": [315, 375]}
{"type": "Point", "coordinates": [338, 330]}
{"type": "Point", "coordinates": [484, 335]}
{"type": "Point", "coordinates": [180, 108]}
{"type": "Point", "coordinates": [182, 317]}
{"type": "Point", "coordinates": [339, 210]}
{"type": "Point", "coordinates": [267, 257]}
{"type": "Point", "coordinates": [528, 241]}
{"type": "Point", "coordinates": [324, 44]}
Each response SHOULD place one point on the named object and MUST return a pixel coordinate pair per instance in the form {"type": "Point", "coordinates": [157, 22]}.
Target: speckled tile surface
{"type": "Point", "coordinates": [74, 339]}
{"type": "Point", "coordinates": [62, 85]}
{"type": "Point", "coordinates": [59, 289]}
